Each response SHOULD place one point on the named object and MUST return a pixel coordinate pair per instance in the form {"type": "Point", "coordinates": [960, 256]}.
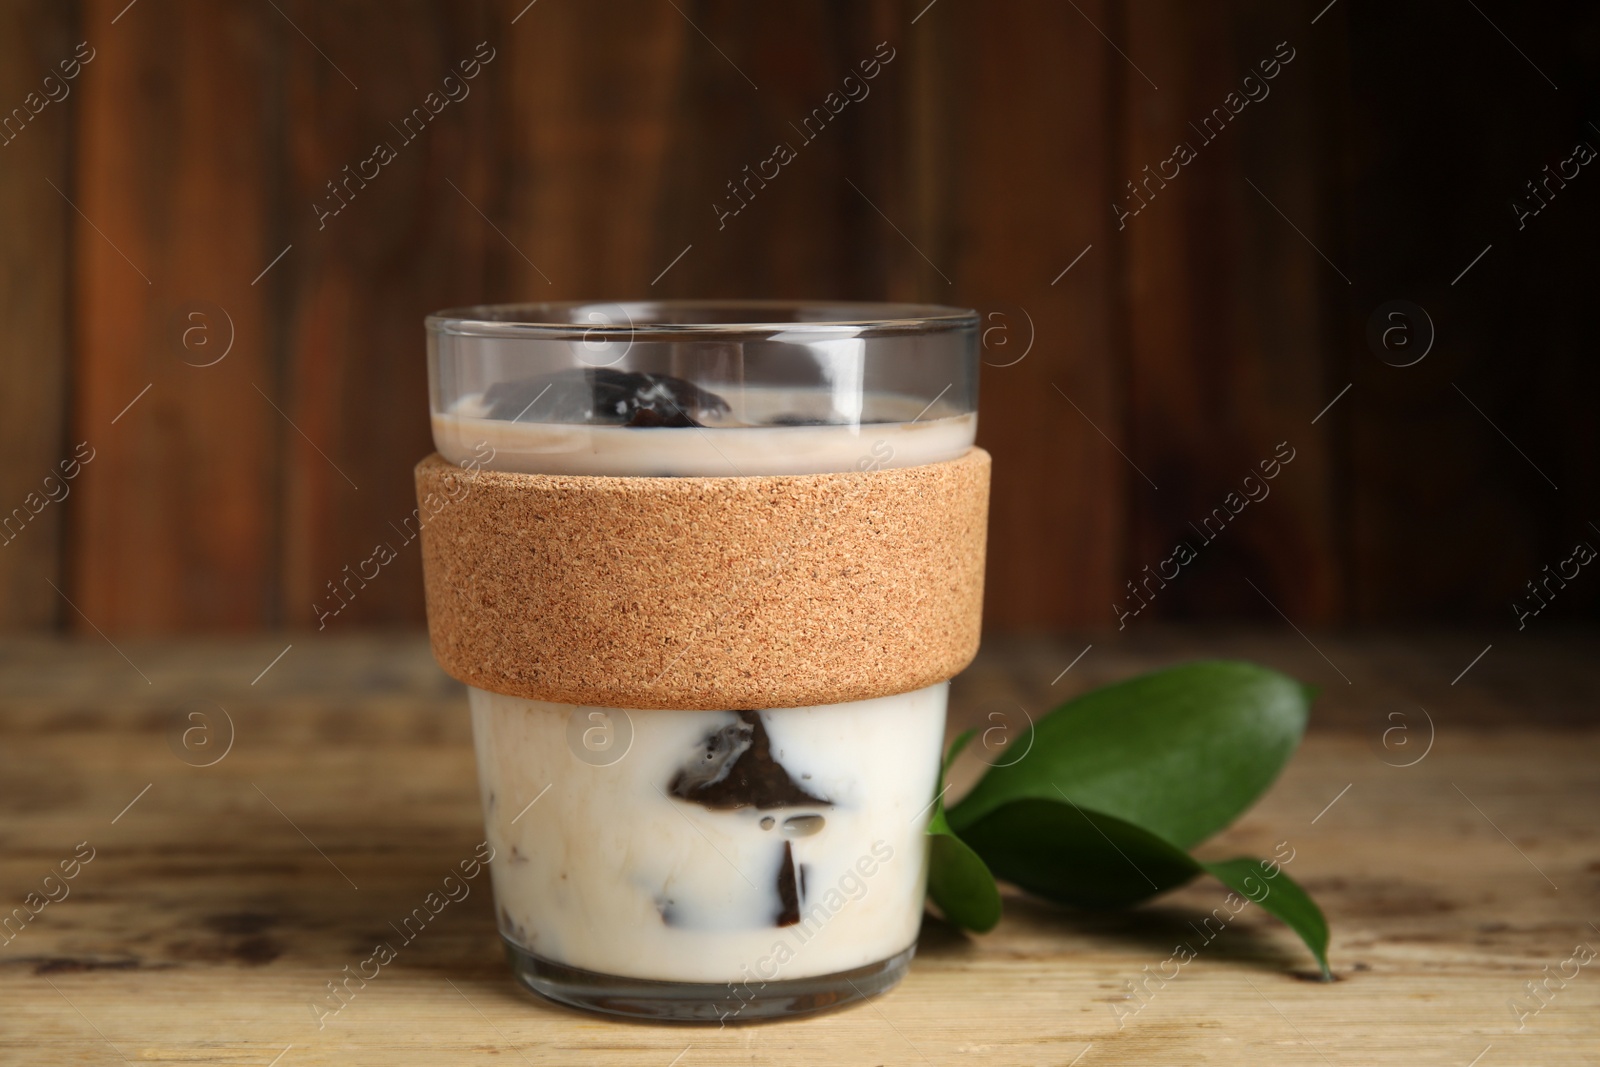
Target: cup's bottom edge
{"type": "Point", "coordinates": [718, 1003]}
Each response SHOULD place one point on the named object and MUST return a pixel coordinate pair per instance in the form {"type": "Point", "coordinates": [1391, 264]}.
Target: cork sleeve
{"type": "Point", "coordinates": [704, 593]}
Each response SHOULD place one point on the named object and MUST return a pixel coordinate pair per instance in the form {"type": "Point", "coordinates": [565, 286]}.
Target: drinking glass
{"type": "Point", "coordinates": [706, 864]}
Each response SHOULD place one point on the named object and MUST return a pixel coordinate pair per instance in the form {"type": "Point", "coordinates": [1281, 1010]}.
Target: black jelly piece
{"type": "Point", "coordinates": [788, 890]}
{"type": "Point", "coordinates": [605, 397]}
{"type": "Point", "coordinates": [737, 770]}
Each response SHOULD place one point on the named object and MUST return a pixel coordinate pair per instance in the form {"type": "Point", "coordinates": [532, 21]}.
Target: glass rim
{"type": "Point", "coordinates": [665, 319]}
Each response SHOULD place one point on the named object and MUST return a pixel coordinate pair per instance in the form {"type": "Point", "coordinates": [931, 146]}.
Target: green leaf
{"type": "Point", "coordinates": [1180, 752]}
{"type": "Point", "coordinates": [1283, 898]}
{"type": "Point", "coordinates": [1070, 854]}
{"type": "Point", "coordinates": [958, 881]}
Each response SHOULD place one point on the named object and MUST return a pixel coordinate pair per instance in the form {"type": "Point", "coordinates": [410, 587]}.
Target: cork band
{"type": "Point", "coordinates": [705, 593]}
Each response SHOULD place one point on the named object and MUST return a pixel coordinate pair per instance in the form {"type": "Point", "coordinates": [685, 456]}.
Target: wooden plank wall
{"type": "Point", "coordinates": [175, 527]}
{"type": "Point", "coordinates": [248, 365]}
{"type": "Point", "coordinates": [1229, 343]}
{"type": "Point", "coordinates": [35, 229]}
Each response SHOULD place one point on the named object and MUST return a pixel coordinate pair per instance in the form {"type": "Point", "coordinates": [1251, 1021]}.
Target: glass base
{"type": "Point", "coordinates": [704, 1002]}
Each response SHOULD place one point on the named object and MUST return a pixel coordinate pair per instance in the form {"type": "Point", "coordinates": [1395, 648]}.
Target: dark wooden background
{"type": "Point", "coordinates": [1219, 322]}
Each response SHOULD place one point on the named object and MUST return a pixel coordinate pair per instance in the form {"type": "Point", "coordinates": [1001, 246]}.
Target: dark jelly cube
{"type": "Point", "coordinates": [736, 769]}
{"type": "Point", "coordinates": [604, 397]}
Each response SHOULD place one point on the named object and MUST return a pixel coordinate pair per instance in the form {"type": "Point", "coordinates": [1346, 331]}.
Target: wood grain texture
{"type": "Point", "coordinates": [400, 239]}
{"type": "Point", "coordinates": [1028, 100]}
{"type": "Point", "coordinates": [1236, 361]}
{"type": "Point", "coordinates": [656, 151]}
{"type": "Point", "coordinates": [592, 160]}
{"type": "Point", "coordinates": [587, 145]}
{"type": "Point", "coordinates": [206, 921]}
{"type": "Point", "coordinates": [34, 144]}
{"type": "Point", "coordinates": [174, 526]}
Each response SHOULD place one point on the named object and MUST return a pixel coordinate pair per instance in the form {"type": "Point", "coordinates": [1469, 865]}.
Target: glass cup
{"type": "Point", "coordinates": [633, 872]}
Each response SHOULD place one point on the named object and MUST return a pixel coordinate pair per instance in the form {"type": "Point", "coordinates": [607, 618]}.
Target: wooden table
{"type": "Point", "coordinates": [220, 899]}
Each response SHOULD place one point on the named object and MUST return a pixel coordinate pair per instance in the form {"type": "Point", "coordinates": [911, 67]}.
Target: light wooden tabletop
{"type": "Point", "coordinates": [220, 899]}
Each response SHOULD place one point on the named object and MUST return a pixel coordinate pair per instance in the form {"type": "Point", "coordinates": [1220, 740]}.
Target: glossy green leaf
{"type": "Point", "coordinates": [1279, 895]}
{"type": "Point", "coordinates": [1062, 851]}
{"type": "Point", "coordinates": [958, 881]}
{"type": "Point", "coordinates": [1181, 752]}
{"type": "Point", "coordinates": [1071, 855]}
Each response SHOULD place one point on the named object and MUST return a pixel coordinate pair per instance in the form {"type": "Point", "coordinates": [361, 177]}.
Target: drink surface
{"type": "Point", "coordinates": [764, 431]}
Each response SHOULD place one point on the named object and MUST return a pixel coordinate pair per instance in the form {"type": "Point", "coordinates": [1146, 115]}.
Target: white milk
{"type": "Point", "coordinates": [608, 873]}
